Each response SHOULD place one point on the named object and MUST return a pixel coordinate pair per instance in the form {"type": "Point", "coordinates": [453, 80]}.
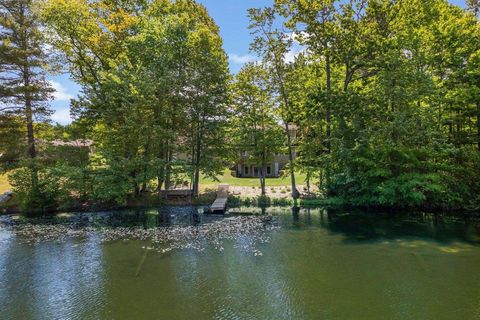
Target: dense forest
{"type": "Point", "coordinates": [385, 95]}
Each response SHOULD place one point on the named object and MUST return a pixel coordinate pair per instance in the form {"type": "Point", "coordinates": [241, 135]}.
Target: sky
{"type": "Point", "coordinates": [230, 16]}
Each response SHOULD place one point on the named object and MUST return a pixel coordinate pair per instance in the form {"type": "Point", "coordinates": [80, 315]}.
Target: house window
{"type": "Point", "coordinates": [269, 171]}
{"type": "Point", "coordinates": [246, 170]}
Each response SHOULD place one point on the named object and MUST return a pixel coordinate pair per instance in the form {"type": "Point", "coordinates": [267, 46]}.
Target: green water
{"type": "Point", "coordinates": [317, 265]}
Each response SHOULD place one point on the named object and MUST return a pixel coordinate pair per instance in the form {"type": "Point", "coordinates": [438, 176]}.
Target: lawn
{"type": "Point", "coordinates": [4, 185]}
{"type": "Point", "coordinates": [226, 177]}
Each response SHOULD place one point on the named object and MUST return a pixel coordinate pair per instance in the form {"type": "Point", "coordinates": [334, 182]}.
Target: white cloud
{"type": "Point", "coordinates": [60, 93]}
{"type": "Point", "coordinates": [291, 55]}
{"type": "Point", "coordinates": [62, 116]}
{"type": "Point", "coordinates": [241, 59]}
{"type": "Point", "coordinates": [296, 36]}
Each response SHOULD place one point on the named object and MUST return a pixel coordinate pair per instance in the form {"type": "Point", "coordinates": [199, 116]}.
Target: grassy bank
{"type": "Point", "coordinates": [4, 185]}
{"type": "Point", "coordinates": [226, 177]}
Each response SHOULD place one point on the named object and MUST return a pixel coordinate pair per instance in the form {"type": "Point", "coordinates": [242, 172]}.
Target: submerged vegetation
{"type": "Point", "coordinates": [385, 95]}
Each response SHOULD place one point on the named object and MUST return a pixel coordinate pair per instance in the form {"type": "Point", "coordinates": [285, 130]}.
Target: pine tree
{"type": "Point", "coordinates": [474, 6]}
{"type": "Point", "coordinates": [24, 89]}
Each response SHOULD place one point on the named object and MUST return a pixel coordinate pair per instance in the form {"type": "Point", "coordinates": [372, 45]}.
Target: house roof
{"type": "Point", "coordinates": [79, 143]}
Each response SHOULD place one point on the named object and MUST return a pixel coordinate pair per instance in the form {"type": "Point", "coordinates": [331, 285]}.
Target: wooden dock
{"type": "Point", "coordinates": [220, 203]}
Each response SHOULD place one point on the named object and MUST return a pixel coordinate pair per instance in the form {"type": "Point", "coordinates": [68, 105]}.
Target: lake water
{"type": "Point", "coordinates": [317, 264]}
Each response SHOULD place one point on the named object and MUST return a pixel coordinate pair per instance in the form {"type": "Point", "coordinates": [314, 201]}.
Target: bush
{"type": "Point", "coordinates": [263, 201]}
{"type": "Point", "coordinates": [111, 187]}
{"type": "Point", "coordinates": [38, 197]}
{"type": "Point", "coordinates": [281, 202]}
{"type": "Point", "coordinates": [234, 201]}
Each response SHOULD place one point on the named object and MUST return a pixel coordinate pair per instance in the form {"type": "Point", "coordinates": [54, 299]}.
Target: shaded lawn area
{"type": "Point", "coordinates": [4, 185]}
{"type": "Point", "coordinates": [226, 177]}
{"type": "Point", "coordinates": [205, 183]}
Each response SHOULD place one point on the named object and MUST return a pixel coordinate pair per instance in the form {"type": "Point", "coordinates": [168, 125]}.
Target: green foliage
{"type": "Point", "coordinates": [281, 202]}
{"type": "Point", "coordinates": [385, 96]}
{"type": "Point", "coordinates": [256, 135]}
{"type": "Point", "coordinates": [264, 201]}
{"type": "Point", "coordinates": [40, 199]}
{"type": "Point", "coordinates": [387, 100]}
{"type": "Point", "coordinates": [260, 201]}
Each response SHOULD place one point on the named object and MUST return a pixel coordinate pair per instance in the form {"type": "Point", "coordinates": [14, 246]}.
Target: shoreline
{"type": "Point", "coordinates": [235, 202]}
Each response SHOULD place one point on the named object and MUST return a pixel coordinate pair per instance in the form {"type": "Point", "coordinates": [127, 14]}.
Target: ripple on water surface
{"type": "Point", "coordinates": [314, 264]}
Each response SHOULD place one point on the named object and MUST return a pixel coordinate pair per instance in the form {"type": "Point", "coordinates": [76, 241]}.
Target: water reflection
{"type": "Point", "coordinates": [148, 218]}
{"type": "Point", "coordinates": [359, 226]}
{"type": "Point", "coordinates": [355, 226]}
{"type": "Point", "coordinates": [321, 264]}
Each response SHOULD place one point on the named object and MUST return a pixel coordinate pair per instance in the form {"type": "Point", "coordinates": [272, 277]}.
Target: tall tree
{"type": "Point", "coordinates": [273, 45]}
{"type": "Point", "coordinates": [474, 7]}
{"type": "Point", "coordinates": [154, 81]}
{"type": "Point", "coordinates": [256, 132]}
{"type": "Point", "coordinates": [23, 85]}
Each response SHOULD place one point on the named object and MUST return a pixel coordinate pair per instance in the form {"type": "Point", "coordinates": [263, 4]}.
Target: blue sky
{"type": "Point", "coordinates": [230, 15]}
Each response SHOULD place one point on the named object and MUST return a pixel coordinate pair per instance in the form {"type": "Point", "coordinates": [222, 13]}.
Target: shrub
{"type": "Point", "coordinates": [281, 202]}
{"type": "Point", "coordinates": [234, 201]}
{"type": "Point", "coordinates": [40, 197]}
{"type": "Point", "coordinates": [263, 201]}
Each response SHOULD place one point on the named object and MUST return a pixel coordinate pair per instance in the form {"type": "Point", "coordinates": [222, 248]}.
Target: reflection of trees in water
{"type": "Point", "coordinates": [355, 225]}
{"type": "Point", "coordinates": [149, 218]}
{"type": "Point", "coordinates": [358, 226]}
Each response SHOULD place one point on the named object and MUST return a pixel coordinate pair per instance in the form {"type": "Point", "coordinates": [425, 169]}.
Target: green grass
{"type": "Point", "coordinates": [4, 185]}
{"type": "Point", "coordinates": [226, 177]}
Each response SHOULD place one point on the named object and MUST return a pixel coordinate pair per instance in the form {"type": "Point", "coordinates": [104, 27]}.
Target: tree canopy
{"type": "Point", "coordinates": [385, 96]}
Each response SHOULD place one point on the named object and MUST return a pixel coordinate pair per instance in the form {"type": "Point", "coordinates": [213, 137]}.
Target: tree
{"type": "Point", "coordinates": [23, 86]}
{"type": "Point", "coordinates": [474, 6]}
{"type": "Point", "coordinates": [183, 76]}
{"type": "Point", "coordinates": [272, 45]}
{"type": "Point", "coordinates": [390, 88]}
{"type": "Point", "coordinates": [255, 129]}
{"type": "Point", "coordinates": [154, 80]}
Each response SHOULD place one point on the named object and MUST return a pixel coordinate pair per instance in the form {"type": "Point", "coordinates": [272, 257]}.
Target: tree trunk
{"type": "Point", "coordinates": [136, 186]}
{"type": "Point", "coordinates": [478, 125]}
{"type": "Point", "coordinates": [32, 152]}
{"type": "Point", "coordinates": [263, 171]}
{"type": "Point", "coordinates": [144, 183]}
{"type": "Point", "coordinates": [308, 182]}
{"type": "Point", "coordinates": [283, 93]}
{"type": "Point", "coordinates": [145, 168]}
{"type": "Point", "coordinates": [168, 172]}
{"type": "Point", "coordinates": [295, 193]}
{"type": "Point", "coordinates": [160, 175]}
{"type": "Point", "coordinates": [327, 109]}
{"type": "Point", "coordinates": [196, 178]}
{"type": "Point", "coordinates": [159, 184]}
{"type": "Point", "coordinates": [196, 175]}
{"type": "Point", "coordinates": [262, 185]}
